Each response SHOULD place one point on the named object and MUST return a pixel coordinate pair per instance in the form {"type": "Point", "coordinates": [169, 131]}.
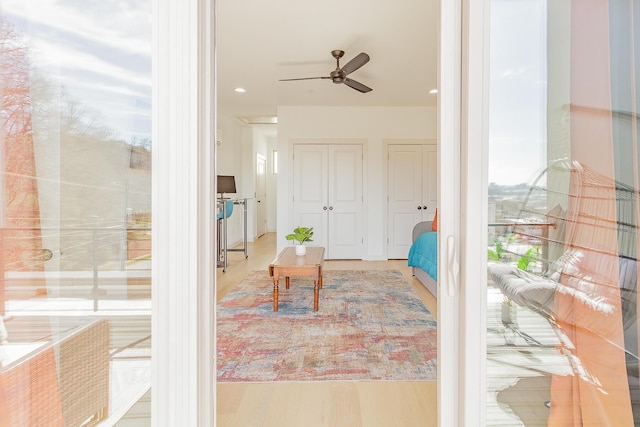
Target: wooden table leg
{"type": "Point", "coordinates": [275, 293]}
{"type": "Point", "coordinates": [316, 293]}
{"type": "Point", "coordinates": [320, 278]}
{"type": "Point", "coordinates": [287, 281]}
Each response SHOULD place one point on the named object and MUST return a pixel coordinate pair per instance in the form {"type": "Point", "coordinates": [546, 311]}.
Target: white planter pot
{"type": "Point", "coordinates": [301, 250]}
{"type": "Point", "coordinates": [509, 314]}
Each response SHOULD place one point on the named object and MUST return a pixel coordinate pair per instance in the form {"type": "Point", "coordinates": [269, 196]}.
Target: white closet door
{"type": "Point", "coordinates": [327, 191]}
{"type": "Point", "coordinates": [345, 202]}
{"type": "Point", "coordinates": [310, 190]}
{"type": "Point", "coordinates": [261, 195]}
{"type": "Point", "coordinates": [429, 181]}
{"type": "Point", "coordinates": [405, 197]}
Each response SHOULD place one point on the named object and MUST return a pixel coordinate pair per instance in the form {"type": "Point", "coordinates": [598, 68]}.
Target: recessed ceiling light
{"type": "Point", "coordinates": [239, 90]}
{"type": "Point", "coordinates": [433, 91]}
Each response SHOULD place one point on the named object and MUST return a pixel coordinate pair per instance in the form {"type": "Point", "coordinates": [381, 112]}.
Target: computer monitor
{"type": "Point", "coordinates": [226, 184]}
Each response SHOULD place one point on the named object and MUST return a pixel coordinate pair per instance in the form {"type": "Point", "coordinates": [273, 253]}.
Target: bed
{"type": "Point", "coordinates": [423, 255]}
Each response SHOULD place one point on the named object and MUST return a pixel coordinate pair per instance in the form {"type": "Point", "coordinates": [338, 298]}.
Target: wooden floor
{"type": "Point", "coordinates": [331, 403]}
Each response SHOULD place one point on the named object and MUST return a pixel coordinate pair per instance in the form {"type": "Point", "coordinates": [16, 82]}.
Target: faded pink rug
{"type": "Point", "coordinates": [371, 325]}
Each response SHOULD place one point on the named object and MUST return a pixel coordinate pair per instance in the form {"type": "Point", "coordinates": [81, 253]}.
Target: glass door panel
{"type": "Point", "coordinates": [75, 248]}
{"type": "Point", "coordinates": [562, 336]}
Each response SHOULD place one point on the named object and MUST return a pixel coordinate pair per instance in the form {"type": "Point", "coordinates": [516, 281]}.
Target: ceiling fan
{"type": "Point", "coordinates": [339, 75]}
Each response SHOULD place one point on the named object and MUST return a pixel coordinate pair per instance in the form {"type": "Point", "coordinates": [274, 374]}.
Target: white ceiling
{"type": "Point", "coordinates": [259, 42]}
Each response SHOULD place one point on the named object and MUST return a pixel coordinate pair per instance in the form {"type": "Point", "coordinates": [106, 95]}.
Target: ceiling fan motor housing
{"type": "Point", "coordinates": [337, 76]}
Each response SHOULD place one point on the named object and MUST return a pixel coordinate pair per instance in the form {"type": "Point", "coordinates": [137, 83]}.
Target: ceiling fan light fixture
{"type": "Point", "coordinates": [240, 90]}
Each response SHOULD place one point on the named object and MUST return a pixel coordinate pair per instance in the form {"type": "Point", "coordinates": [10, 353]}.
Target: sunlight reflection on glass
{"type": "Point", "coordinates": [76, 228]}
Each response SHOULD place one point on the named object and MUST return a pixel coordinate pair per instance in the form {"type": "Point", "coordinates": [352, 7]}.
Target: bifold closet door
{"type": "Point", "coordinates": [345, 202]}
{"type": "Point", "coordinates": [310, 190]}
{"type": "Point", "coordinates": [412, 193]}
{"type": "Point", "coordinates": [327, 195]}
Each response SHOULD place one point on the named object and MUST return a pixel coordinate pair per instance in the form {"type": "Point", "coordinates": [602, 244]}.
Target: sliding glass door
{"type": "Point", "coordinates": [75, 213]}
{"type": "Point", "coordinates": [563, 210]}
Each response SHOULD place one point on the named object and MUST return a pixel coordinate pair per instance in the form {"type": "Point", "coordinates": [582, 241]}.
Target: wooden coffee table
{"type": "Point", "coordinates": [288, 264]}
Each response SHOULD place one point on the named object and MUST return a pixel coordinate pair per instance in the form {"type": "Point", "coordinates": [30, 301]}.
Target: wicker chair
{"type": "Point", "coordinates": [64, 382]}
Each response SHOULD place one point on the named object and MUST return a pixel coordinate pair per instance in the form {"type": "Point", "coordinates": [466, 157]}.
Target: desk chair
{"type": "Point", "coordinates": [229, 209]}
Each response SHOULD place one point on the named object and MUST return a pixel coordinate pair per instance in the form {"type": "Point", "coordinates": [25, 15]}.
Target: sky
{"type": "Point", "coordinates": [517, 93]}
{"type": "Point", "coordinates": [105, 68]}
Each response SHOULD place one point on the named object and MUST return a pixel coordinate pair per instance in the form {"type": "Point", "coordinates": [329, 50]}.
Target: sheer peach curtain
{"type": "Point", "coordinates": [598, 392]}
{"type": "Point", "coordinates": [591, 328]}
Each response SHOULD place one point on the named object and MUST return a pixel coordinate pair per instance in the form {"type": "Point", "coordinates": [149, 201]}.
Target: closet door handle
{"type": "Point", "coordinates": [330, 208]}
{"type": "Point", "coordinates": [424, 207]}
{"type": "Point", "coordinates": [419, 207]}
{"type": "Point", "coordinates": [324, 208]}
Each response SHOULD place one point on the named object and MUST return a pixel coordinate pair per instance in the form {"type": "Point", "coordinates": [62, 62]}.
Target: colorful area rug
{"type": "Point", "coordinates": [371, 325]}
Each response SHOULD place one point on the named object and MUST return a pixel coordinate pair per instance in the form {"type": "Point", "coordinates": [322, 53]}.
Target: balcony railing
{"type": "Point", "coordinates": [96, 263]}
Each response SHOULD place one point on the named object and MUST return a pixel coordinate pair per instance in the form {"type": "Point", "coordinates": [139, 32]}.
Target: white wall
{"type": "Point", "coordinates": [236, 139]}
{"type": "Point", "coordinates": [237, 154]}
{"type": "Point", "coordinates": [374, 125]}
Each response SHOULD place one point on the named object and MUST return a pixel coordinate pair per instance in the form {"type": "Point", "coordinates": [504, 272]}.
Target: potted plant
{"type": "Point", "coordinates": [508, 312]}
{"type": "Point", "coordinates": [301, 235]}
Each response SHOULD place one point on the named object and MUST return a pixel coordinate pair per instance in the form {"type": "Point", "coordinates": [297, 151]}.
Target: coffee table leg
{"type": "Point", "coordinates": [275, 293]}
{"type": "Point", "coordinates": [316, 293]}
{"type": "Point", "coordinates": [287, 281]}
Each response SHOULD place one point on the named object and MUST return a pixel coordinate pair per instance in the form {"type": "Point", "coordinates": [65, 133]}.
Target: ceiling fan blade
{"type": "Point", "coordinates": [355, 63]}
{"type": "Point", "coordinates": [304, 78]}
{"type": "Point", "coordinates": [357, 85]}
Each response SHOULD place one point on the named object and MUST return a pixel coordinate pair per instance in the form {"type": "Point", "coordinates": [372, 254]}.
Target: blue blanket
{"type": "Point", "coordinates": [424, 254]}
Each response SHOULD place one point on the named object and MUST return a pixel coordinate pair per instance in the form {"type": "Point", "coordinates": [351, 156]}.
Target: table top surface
{"type": "Point", "coordinates": [288, 257]}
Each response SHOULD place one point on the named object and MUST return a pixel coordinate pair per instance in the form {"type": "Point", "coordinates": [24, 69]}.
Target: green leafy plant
{"type": "Point", "coordinates": [532, 254]}
{"type": "Point", "coordinates": [301, 235]}
{"type": "Point", "coordinates": [500, 252]}
{"type": "Point", "coordinates": [497, 254]}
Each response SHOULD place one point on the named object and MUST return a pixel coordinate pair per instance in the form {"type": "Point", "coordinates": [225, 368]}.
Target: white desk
{"type": "Point", "coordinates": [222, 231]}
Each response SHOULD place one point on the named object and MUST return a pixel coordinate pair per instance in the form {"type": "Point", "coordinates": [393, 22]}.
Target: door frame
{"type": "Point", "coordinates": [183, 384]}
{"type": "Point", "coordinates": [474, 149]}
{"type": "Point", "coordinates": [183, 353]}
{"type": "Point", "coordinates": [449, 108]}
{"type": "Point", "coordinates": [462, 184]}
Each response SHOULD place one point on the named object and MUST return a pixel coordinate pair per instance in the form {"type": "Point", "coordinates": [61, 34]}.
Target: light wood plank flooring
{"type": "Point", "coordinates": [331, 403]}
